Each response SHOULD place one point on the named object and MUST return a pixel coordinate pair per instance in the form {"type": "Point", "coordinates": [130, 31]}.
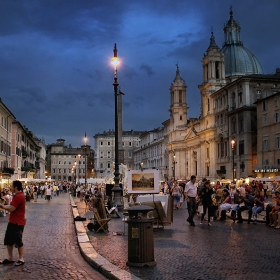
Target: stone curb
{"type": "Point", "coordinates": [92, 257]}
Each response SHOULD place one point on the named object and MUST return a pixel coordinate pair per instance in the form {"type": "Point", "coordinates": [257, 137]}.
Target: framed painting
{"type": "Point", "coordinates": [145, 182]}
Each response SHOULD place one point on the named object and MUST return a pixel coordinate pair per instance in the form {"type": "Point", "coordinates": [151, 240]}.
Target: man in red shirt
{"type": "Point", "coordinates": [13, 236]}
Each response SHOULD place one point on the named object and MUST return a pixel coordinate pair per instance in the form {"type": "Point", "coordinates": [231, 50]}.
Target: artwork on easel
{"type": "Point", "coordinates": [146, 181]}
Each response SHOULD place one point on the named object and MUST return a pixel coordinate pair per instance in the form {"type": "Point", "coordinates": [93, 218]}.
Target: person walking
{"type": "Point", "coordinates": [48, 193]}
{"type": "Point", "coordinates": [176, 193]}
{"type": "Point", "coordinates": [35, 193]}
{"type": "Point", "coordinates": [190, 194]}
{"type": "Point", "coordinates": [206, 199]}
{"type": "Point", "coordinates": [17, 221]}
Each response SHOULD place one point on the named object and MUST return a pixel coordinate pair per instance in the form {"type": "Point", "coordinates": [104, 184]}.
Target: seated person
{"type": "Point", "coordinates": [259, 204]}
{"type": "Point", "coordinates": [225, 203]}
{"type": "Point", "coordinates": [273, 215]}
{"type": "Point", "coordinates": [236, 200]}
{"type": "Point", "coordinates": [248, 204]}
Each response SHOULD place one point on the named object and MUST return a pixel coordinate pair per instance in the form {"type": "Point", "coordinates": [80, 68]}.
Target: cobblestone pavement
{"type": "Point", "coordinates": [223, 251]}
{"type": "Point", "coordinates": [51, 248]}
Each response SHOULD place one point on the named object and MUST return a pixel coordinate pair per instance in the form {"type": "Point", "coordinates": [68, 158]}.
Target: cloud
{"type": "Point", "coordinates": [148, 69]}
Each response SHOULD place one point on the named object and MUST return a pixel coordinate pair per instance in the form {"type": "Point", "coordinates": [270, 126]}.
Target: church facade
{"type": "Point", "coordinates": [222, 142]}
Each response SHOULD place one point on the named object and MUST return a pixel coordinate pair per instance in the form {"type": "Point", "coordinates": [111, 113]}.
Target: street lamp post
{"type": "Point", "coordinates": [116, 189]}
{"type": "Point", "coordinates": [85, 140]}
{"type": "Point", "coordinates": [174, 162]}
{"type": "Point", "coordinates": [232, 149]}
{"type": "Point", "coordinates": [79, 156]}
{"type": "Point", "coordinates": [74, 171]}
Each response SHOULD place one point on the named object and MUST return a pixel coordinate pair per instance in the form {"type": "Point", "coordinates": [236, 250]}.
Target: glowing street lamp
{"type": "Point", "coordinates": [174, 162]}
{"type": "Point", "coordinates": [85, 140]}
{"type": "Point", "coordinates": [79, 156]}
{"type": "Point", "coordinates": [116, 189]}
{"type": "Point", "coordinates": [232, 149]}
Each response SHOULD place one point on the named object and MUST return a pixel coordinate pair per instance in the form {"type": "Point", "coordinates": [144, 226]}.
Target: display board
{"type": "Point", "coordinates": [143, 181]}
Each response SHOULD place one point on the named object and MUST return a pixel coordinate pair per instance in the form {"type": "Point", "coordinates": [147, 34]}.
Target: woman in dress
{"type": "Point", "coordinates": [176, 193]}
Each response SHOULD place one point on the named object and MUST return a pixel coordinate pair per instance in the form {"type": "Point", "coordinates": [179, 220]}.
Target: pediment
{"type": "Point", "coordinates": [191, 134]}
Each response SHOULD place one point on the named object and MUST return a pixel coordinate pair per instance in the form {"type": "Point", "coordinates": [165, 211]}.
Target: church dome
{"type": "Point", "coordinates": [238, 59]}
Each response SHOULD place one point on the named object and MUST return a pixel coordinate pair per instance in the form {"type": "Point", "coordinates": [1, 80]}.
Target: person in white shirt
{"type": "Point", "coordinates": [190, 194]}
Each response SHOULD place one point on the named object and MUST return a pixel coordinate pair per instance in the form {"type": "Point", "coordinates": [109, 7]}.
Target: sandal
{"type": "Point", "coordinates": [18, 263]}
{"type": "Point", "coordinates": [6, 261]}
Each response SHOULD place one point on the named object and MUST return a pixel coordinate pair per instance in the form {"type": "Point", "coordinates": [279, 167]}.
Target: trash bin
{"type": "Point", "coordinates": [140, 237]}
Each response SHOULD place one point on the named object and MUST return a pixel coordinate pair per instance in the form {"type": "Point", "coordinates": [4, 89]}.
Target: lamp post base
{"type": "Point", "coordinates": [117, 198]}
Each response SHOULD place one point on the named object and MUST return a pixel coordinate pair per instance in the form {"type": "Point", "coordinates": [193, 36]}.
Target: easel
{"type": "Point", "coordinates": [159, 218]}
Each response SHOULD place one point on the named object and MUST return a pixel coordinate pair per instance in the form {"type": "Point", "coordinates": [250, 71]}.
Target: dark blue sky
{"type": "Point", "coordinates": [56, 76]}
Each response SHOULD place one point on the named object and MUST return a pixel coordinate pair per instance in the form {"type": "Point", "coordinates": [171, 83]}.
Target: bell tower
{"type": "Point", "coordinates": [178, 104]}
{"type": "Point", "coordinates": [213, 75]}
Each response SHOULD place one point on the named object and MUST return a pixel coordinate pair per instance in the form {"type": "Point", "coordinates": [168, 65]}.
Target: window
{"type": "Point", "coordinates": [264, 105]}
{"type": "Point", "coordinates": [207, 153]}
{"type": "Point", "coordinates": [180, 96]}
{"type": "Point", "coordinates": [240, 97]}
{"type": "Point", "coordinates": [101, 164]}
{"type": "Point", "coordinates": [276, 102]}
{"type": "Point", "coordinates": [265, 144]}
{"type": "Point", "coordinates": [233, 124]}
{"type": "Point", "coordinates": [108, 154]}
{"type": "Point", "coordinates": [222, 148]}
{"type": "Point", "coordinates": [276, 117]}
{"type": "Point", "coordinates": [208, 104]}
{"type": "Point", "coordinates": [265, 162]}
{"type": "Point", "coordinates": [130, 154]}
{"type": "Point", "coordinates": [226, 148]}
{"type": "Point", "coordinates": [233, 100]}
{"type": "Point", "coordinates": [101, 143]}
{"type": "Point", "coordinates": [109, 143]}
{"type": "Point", "coordinates": [53, 171]}
{"type": "Point", "coordinates": [221, 119]}
{"type": "Point", "coordinates": [277, 142]}
{"type": "Point", "coordinates": [108, 165]}
{"type": "Point", "coordinates": [264, 120]}
{"type": "Point", "coordinates": [278, 161]}
{"type": "Point", "coordinates": [129, 144]}
{"type": "Point", "coordinates": [241, 147]}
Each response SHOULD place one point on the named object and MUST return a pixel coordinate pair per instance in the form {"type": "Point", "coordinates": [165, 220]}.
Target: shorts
{"type": "Point", "coordinates": [13, 235]}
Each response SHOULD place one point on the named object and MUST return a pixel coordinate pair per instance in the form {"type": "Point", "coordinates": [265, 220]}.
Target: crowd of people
{"type": "Point", "coordinates": [219, 200]}
{"type": "Point", "coordinates": [35, 191]}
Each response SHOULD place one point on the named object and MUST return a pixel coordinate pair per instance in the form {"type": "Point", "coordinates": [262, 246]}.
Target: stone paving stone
{"type": "Point", "coordinates": [51, 248]}
{"type": "Point", "coordinates": [223, 251]}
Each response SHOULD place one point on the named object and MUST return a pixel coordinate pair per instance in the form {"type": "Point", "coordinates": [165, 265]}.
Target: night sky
{"type": "Point", "coordinates": [55, 58]}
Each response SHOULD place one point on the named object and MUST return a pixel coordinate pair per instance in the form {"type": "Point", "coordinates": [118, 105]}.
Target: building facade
{"type": "Point", "coordinates": [151, 153]}
{"type": "Point", "coordinates": [65, 163]}
{"type": "Point", "coordinates": [28, 153]}
{"type": "Point", "coordinates": [268, 147]}
{"type": "Point", "coordinates": [104, 146]}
